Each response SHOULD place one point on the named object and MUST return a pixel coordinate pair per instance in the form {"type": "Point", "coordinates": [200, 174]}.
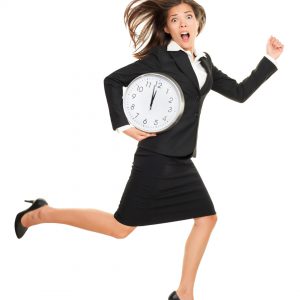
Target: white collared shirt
{"type": "Point", "coordinates": [198, 69]}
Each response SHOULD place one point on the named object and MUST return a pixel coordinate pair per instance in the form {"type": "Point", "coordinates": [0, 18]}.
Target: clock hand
{"type": "Point", "coordinates": [153, 96]}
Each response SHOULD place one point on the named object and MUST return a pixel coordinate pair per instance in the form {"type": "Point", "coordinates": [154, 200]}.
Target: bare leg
{"type": "Point", "coordinates": [194, 250]}
{"type": "Point", "coordinates": [89, 219]}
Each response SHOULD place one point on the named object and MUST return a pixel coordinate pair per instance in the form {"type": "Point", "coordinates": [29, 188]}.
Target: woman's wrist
{"type": "Point", "coordinates": [123, 128]}
{"type": "Point", "coordinates": [272, 59]}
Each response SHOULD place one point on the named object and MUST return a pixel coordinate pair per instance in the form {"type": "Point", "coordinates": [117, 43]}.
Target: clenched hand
{"type": "Point", "coordinates": [274, 47]}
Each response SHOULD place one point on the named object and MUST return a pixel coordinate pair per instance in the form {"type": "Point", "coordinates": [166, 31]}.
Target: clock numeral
{"type": "Point", "coordinates": [165, 118]}
{"type": "Point", "coordinates": [156, 122]}
{"type": "Point", "coordinates": [171, 100]}
{"type": "Point", "coordinates": [148, 84]}
{"type": "Point", "coordinates": [170, 109]}
{"type": "Point", "coordinates": [159, 85]}
{"type": "Point", "coordinates": [139, 88]}
{"type": "Point", "coordinates": [133, 96]}
{"type": "Point", "coordinates": [136, 115]}
{"type": "Point", "coordinates": [145, 121]}
{"type": "Point", "coordinates": [167, 91]}
{"type": "Point", "coordinates": [132, 106]}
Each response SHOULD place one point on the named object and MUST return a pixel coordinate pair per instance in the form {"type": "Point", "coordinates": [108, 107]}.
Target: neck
{"type": "Point", "coordinates": [191, 51]}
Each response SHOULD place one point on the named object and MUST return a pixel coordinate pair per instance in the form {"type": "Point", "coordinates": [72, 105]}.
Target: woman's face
{"type": "Point", "coordinates": [182, 25]}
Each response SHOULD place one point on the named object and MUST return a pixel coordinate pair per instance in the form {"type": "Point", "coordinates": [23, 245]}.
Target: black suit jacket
{"type": "Point", "coordinates": [181, 139]}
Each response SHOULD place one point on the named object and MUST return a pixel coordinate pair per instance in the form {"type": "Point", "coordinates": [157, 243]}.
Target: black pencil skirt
{"type": "Point", "coordinates": [162, 189]}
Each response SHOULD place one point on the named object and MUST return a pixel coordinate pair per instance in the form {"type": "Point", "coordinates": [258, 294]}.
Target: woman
{"type": "Point", "coordinates": [164, 185]}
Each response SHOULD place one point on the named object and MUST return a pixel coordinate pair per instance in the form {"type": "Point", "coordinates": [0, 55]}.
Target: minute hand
{"type": "Point", "coordinates": [152, 98]}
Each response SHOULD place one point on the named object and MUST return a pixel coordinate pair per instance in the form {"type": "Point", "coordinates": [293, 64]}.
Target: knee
{"type": "Point", "coordinates": [124, 232]}
{"type": "Point", "coordinates": [209, 221]}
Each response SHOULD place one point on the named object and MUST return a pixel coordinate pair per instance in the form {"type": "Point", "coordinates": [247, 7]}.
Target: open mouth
{"type": "Point", "coordinates": [185, 36]}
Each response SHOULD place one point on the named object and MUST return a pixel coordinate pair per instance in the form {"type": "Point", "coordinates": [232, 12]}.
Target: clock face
{"type": "Point", "coordinates": [153, 102]}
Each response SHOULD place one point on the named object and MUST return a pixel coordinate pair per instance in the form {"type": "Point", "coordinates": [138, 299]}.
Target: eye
{"type": "Point", "coordinates": [189, 16]}
{"type": "Point", "coordinates": [173, 20]}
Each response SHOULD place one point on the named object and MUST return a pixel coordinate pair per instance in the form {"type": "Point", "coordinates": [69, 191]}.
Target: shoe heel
{"type": "Point", "coordinates": [29, 201]}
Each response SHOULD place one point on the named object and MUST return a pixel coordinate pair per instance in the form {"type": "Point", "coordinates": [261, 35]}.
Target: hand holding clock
{"type": "Point", "coordinates": [138, 134]}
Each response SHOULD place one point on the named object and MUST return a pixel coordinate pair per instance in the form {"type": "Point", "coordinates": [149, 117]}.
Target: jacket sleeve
{"type": "Point", "coordinates": [114, 83]}
{"type": "Point", "coordinates": [240, 92]}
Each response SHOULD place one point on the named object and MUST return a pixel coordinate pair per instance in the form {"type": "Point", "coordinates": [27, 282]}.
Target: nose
{"type": "Point", "coordinates": [182, 23]}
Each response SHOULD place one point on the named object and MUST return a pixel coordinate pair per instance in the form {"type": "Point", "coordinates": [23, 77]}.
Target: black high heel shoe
{"type": "Point", "coordinates": [173, 296]}
{"type": "Point", "coordinates": [19, 228]}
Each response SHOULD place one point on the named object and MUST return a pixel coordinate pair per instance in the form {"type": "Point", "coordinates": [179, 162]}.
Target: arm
{"type": "Point", "coordinates": [240, 92]}
{"type": "Point", "coordinates": [114, 83]}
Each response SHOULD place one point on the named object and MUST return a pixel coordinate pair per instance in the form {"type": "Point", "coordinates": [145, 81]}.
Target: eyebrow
{"type": "Point", "coordinates": [184, 12]}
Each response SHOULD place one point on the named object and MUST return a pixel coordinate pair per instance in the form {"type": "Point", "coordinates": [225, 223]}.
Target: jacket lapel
{"type": "Point", "coordinates": [185, 66]}
{"type": "Point", "coordinates": [206, 65]}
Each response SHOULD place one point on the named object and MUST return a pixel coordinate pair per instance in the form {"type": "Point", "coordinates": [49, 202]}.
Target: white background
{"type": "Point", "coordinates": [57, 143]}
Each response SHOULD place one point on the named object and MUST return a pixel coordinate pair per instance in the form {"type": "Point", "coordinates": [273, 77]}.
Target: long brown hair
{"type": "Point", "coordinates": [153, 15]}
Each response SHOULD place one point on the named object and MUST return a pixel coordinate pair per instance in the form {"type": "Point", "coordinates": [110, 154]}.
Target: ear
{"type": "Point", "coordinates": [166, 30]}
